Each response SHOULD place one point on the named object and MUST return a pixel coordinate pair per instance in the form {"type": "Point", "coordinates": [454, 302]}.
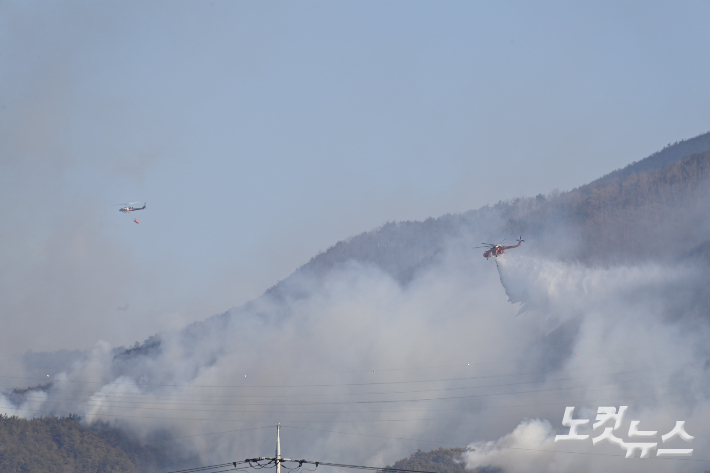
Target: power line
{"type": "Point", "coordinates": [377, 436]}
{"type": "Point", "coordinates": [278, 461]}
{"type": "Point", "coordinates": [256, 462]}
{"type": "Point", "coordinates": [347, 384]}
{"type": "Point", "coordinates": [114, 405]}
{"type": "Point", "coordinates": [338, 412]}
{"type": "Point", "coordinates": [178, 401]}
{"type": "Point", "coordinates": [203, 468]}
{"type": "Point", "coordinates": [215, 433]}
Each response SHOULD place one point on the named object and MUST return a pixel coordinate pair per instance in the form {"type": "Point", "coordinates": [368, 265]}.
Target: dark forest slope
{"type": "Point", "coordinates": [667, 155]}
{"type": "Point", "coordinates": [63, 445]}
{"type": "Point", "coordinates": [639, 212]}
{"type": "Point", "coordinates": [657, 214]}
{"type": "Point", "coordinates": [441, 460]}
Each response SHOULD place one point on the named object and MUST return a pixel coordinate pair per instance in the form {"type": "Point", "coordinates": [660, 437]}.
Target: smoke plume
{"type": "Point", "coordinates": [358, 367]}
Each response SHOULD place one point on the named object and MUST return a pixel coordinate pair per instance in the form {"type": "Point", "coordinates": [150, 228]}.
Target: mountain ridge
{"type": "Point", "coordinates": [631, 217]}
{"type": "Point", "coordinates": [393, 241]}
{"type": "Point", "coordinates": [670, 153]}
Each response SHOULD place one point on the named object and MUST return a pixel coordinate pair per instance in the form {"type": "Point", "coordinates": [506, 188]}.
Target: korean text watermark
{"type": "Point", "coordinates": [606, 414]}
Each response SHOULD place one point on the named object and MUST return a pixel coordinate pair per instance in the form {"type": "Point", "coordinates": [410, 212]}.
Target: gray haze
{"type": "Point", "coordinates": [260, 133]}
{"type": "Point", "coordinates": [467, 351]}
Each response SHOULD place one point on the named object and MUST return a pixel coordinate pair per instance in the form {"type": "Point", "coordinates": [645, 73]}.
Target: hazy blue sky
{"type": "Point", "coordinates": [262, 132]}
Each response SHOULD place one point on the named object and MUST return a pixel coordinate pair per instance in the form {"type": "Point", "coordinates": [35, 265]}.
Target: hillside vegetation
{"type": "Point", "coordinates": [441, 460]}
{"type": "Point", "coordinates": [639, 212]}
{"type": "Point", "coordinates": [64, 445]}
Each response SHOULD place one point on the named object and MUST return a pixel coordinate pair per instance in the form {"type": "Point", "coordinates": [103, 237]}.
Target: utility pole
{"type": "Point", "coordinates": [278, 448]}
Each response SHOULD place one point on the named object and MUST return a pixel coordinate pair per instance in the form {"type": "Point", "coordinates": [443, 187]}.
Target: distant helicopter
{"type": "Point", "coordinates": [495, 249]}
{"type": "Point", "coordinates": [129, 207]}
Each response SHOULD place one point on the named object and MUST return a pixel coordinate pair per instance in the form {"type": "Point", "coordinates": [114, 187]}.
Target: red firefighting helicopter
{"type": "Point", "coordinates": [496, 249]}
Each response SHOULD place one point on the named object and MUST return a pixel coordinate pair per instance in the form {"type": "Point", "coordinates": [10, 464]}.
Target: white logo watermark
{"type": "Point", "coordinates": [605, 414]}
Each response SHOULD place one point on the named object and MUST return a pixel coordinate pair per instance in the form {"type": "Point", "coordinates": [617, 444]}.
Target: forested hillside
{"type": "Point", "coordinates": [441, 460]}
{"type": "Point", "coordinates": [638, 212]}
{"type": "Point", "coordinates": [670, 153]}
{"type": "Point", "coordinates": [640, 216]}
{"type": "Point", "coordinates": [64, 445]}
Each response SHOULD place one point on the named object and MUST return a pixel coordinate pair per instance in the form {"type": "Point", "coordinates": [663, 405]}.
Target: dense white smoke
{"type": "Point", "coordinates": [639, 340]}
{"type": "Point", "coordinates": [359, 368]}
